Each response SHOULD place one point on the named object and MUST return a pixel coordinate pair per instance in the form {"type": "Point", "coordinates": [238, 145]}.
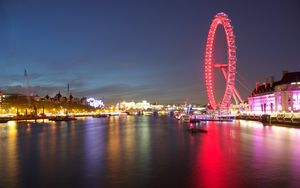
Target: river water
{"type": "Point", "coordinates": [148, 151]}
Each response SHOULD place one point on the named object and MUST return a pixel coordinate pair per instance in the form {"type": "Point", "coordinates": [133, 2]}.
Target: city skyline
{"type": "Point", "coordinates": [139, 50]}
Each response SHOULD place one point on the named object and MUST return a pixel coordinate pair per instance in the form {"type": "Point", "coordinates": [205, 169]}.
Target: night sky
{"type": "Point", "coordinates": [132, 50]}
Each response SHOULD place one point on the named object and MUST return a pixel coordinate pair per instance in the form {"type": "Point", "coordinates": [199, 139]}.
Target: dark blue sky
{"type": "Point", "coordinates": [123, 49]}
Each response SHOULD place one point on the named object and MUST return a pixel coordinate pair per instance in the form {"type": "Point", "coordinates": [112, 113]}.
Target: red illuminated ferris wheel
{"type": "Point", "coordinates": [228, 70]}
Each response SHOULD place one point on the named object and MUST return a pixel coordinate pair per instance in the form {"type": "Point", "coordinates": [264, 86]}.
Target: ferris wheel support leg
{"type": "Point", "coordinates": [235, 99]}
{"type": "Point", "coordinates": [236, 94]}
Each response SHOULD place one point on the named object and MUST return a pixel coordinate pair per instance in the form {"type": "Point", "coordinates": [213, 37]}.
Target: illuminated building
{"type": "Point", "coordinates": [280, 96]}
{"type": "Point", "coordinates": [15, 104]}
{"type": "Point", "coordinates": [127, 105]}
{"type": "Point", "coordinates": [143, 105]}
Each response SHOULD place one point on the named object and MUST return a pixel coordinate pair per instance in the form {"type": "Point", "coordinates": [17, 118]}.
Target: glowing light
{"type": "Point", "coordinates": [295, 83]}
{"type": "Point", "coordinates": [95, 103]}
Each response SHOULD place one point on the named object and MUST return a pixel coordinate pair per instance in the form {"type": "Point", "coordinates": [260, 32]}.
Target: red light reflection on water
{"type": "Point", "coordinates": [247, 154]}
{"type": "Point", "coordinates": [215, 159]}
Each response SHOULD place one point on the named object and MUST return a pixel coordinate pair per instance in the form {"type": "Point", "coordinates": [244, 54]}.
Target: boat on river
{"type": "Point", "coordinates": [201, 117]}
{"type": "Point", "coordinates": [101, 115]}
{"type": "Point", "coordinates": [62, 118]}
{"type": "Point", "coordinates": [197, 130]}
{"type": "Point", "coordinates": [4, 120]}
{"type": "Point", "coordinates": [185, 118]}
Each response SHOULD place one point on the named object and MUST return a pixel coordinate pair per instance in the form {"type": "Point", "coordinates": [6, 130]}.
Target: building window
{"type": "Point", "coordinates": [279, 106]}
{"type": "Point", "coordinates": [296, 102]}
{"type": "Point", "coordinates": [272, 107]}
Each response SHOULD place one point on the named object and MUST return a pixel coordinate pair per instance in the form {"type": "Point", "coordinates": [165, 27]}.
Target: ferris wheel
{"type": "Point", "coordinates": [228, 69]}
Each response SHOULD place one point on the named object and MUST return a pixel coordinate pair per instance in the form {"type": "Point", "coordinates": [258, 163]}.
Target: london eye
{"type": "Point", "coordinates": [228, 69]}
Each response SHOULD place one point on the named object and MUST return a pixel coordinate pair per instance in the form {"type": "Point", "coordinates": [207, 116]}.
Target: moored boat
{"type": "Point", "coordinates": [197, 130]}
{"type": "Point", "coordinates": [101, 116]}
{"type": "Point", "coordinates": [62, 118]}
{"type": "Point", "coordinates": [4, 120]}
{"type": "Point", "coordinates": [185, 118]}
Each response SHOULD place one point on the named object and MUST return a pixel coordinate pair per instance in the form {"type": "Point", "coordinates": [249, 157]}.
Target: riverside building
{"type": "Point", "coordinates": [281, 96]}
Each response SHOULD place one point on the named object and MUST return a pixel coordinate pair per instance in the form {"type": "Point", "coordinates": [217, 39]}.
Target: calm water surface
{"type": "Point", "coordinates": [147, 152]}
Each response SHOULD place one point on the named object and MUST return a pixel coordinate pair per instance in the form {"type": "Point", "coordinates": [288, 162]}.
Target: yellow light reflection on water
{"type": "Point", "coordinates": [12, 123]}
{"type": "Point", "coordinates": [9, 151]}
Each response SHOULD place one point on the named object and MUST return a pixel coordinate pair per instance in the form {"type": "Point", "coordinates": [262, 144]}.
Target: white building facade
{"type": "Point", "coordinates": [277, 97]}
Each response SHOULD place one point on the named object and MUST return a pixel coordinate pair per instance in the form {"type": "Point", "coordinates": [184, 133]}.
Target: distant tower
{"type": "Point", "coordinates": [26, 87]}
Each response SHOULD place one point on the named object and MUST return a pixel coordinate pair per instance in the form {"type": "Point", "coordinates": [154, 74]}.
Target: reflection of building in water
{"type": "Point", "coordinates": [279, 96]}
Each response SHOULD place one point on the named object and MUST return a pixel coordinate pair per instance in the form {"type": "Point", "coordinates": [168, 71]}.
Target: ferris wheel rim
{"type": "Point", "coordinates": [220, 19]}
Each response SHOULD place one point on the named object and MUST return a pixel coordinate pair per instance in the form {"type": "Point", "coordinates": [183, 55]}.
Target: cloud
{"type": "Point", "coordinates": [35, 90]}
{"type": "Point", "coordinates": [153, 93]}
{"type": "Point", "coordinates": [111, 93]}
{"type": "Point", "coordinates": [18, 78]}
{"type": "Point", "coordinates": [114, 89]}
{"type": "Point", "coordinates": [117, 92]}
